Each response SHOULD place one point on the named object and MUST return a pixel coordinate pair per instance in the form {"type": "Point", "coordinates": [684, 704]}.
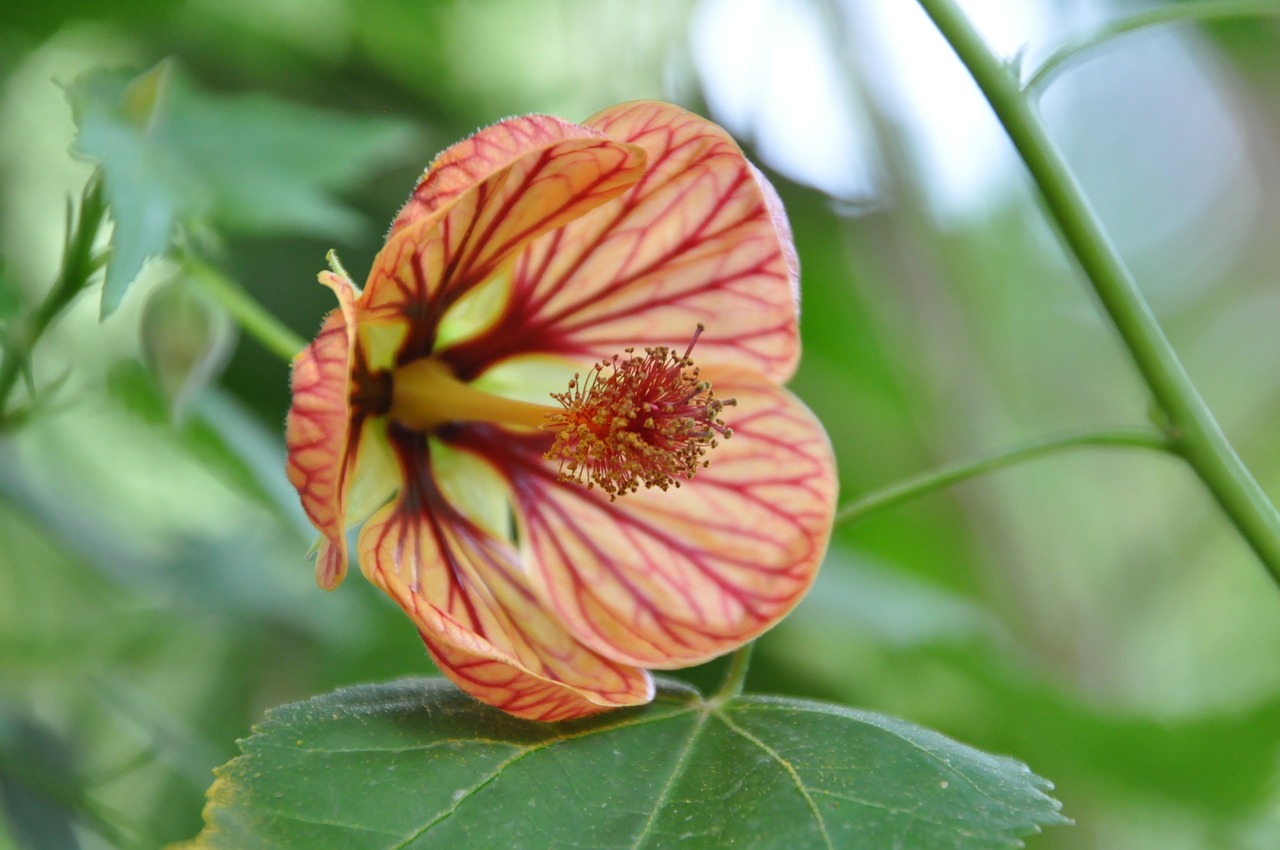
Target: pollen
{"type": "Point", "coordinates": [637, 420]}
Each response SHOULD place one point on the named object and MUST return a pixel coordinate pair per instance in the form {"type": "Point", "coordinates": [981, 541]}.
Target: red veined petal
{"type": "Point", "coordinates": [511, 688]}
{"type": "Point", "coordinates": [701, 238]}
{"type": "Point", "coordinates": [481, 202]}
{"type": "Point", "coordinates": [671, 578]}
{"type": "Point", "coordinates": [318, 431]}
{"type": "Point", "coordinates": [474, 159]}
{"type": "Point", "coordinates": [465, 591]}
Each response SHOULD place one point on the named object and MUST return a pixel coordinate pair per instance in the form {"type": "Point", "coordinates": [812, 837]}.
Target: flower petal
{"type": "Point", "coordinates": [483, 200]}
{"type": "Point", "coordinates": [514, 690]}
{"type": "Point", "coordinates": [672, 578]}
{"type": "Point", "coordinates": [474, 159]}
{"type": "Point", "coordinates": [464, 590]}
{"type": "Point", "coordinates": [701, 238]}
{"type": "Point", "coordinates": [318, 429]}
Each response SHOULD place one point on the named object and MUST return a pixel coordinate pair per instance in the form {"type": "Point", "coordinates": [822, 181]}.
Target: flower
{"type": "Point", "coordinates": [556, 495]}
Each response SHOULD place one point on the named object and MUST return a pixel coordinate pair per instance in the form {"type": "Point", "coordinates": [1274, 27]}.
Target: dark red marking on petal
{"type": "Point", "coordinates": [467, 594]}
{"type": "Point", "coordinates": [667, 579]}
{"type": "Point", "coordinates": [700, 238]}
{"type": "Point", "coordinates": [461, 236]}
{"type": "Point", "coordinates": [472, 160]}
{"type": "Point", "coordinates": [507, 687]}
{"type": "Point", "coordinates": [319, 435]}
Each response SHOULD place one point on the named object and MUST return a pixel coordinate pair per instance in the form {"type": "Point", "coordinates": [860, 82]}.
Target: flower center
{"type": "Point", "coordinates": [425, 394]}
{"type": "Point", "coordinates": [637, 420]}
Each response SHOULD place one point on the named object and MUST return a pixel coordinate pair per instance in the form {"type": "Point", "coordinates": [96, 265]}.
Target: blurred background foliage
{"type": "Point", "coordinates": [1091, 614]}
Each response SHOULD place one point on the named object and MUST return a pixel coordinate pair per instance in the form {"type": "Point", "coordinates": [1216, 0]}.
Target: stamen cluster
{"type": "Point", "coordinates": [637, 420]}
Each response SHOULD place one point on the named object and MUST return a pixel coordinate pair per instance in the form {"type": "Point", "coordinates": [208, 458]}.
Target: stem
{"type": "Point", "coordinates": [736, 677]}
{"type": "Point", "coordinates": [953, 473]}
{"type": "Point", "coordinates": [78, 265]}
{"type": "Point", "coordinates": [1193, 10]}
{"type": "Point", "coordinates": [249, 314]}
{"type": "Point", "coordinates": [1195, 434]}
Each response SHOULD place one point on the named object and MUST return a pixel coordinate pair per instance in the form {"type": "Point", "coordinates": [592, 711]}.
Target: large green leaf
{"type": "Point", "coordinates": [174, 155]}
{"type": "Point", "coordinates": [416, 764]}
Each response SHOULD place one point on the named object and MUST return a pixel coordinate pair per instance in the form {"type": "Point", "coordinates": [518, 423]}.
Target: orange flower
{"type": "Point", "coordinates": [551, 490]}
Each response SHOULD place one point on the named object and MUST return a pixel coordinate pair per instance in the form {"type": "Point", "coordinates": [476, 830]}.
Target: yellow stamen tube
{"type": "Point", "coordinates": [425, 394]}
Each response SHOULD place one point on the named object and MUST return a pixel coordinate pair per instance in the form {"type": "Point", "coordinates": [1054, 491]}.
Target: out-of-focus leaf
{"type": "Point", "coordinates": [10, 298]}
{"type": "Point", "coordinates": [147, 188]}
{"type": "Point", "coordinates": [172, 154]}
{"type": "Point", "coordinates": [39, 789]}
{"type": "Point", "coordinates": [35, 781]}
{"type": "Point", "coordinates": [40, 20]}
{"type": "Point", "coordinates": [857, 596]}
{"type": "Point", "coordinates": [231, 575]}
{"type": "Point", "coordinates": [416, 764]}
{"type": "Point", "coordinates": [908, 666]}
{"type": "Point", "coordinates": [1138, 756]}
{"type": "Point", "coordinates": [137, 390]}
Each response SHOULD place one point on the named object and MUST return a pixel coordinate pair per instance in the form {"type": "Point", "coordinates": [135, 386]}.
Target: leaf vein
{"type": "Point", "coordinates": [297, 818]}
{"type": "Point", "coordinates": [677, 770]}
{"type": "Point", "coordinates": [459, 800]}
{"type": "Point", "coordinates": [870, 721]}
{"type": "Point", "coordinates": [790, 771]}
{"type": "Point", "coordinates": [521, 754]}
{"type": "Point", "coordinates": [909, 811]}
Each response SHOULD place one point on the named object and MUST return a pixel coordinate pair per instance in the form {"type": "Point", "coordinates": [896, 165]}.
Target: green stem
{"type": "Point", "coordinates": [736, 676]}
{"type": "Point", "coordinates": [249, 314]}
{"type": "Point", "coordinates": [945, 476]}
{"type": "Point", "coordinates": [78, 265]}
{"type": "Point", "coordinates": [1195, 434]}
{"type": "Point", "coordinates": [1194, 10]}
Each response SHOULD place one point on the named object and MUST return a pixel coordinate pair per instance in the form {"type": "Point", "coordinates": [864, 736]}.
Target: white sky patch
{"type": "Point", "coordinates": [963, 155]}
{"type": "Point", "coordinates": [770, 74]}
{"type": "Point", "coordinates": [1150, 125]}
{"type": "Point", "coordinates": [1155, 135]}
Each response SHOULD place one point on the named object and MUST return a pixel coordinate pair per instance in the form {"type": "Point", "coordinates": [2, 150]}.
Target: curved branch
{"type": "Point", "coordinates": [954, 473]}
{"type": "Point", "coordinates": [1195, 433]}
{"type": "Point", "coordinates": [1195, 10]}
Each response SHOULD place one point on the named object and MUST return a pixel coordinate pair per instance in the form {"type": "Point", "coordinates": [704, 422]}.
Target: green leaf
{"type": "Point", "coordinates": [38, 785]}
{"type": "Point", "coordinates": [10, 296]}
{"type": "Point", "coordinates": [39, 21]}
{"type": "Point", "coordinates": [417, 764]}
{"type": "Point", "coordinates": [42, 792]}
{"type": "Point", "coordinates": [856, 595]}
{"type": "Point", "coordinates": [172, 155]}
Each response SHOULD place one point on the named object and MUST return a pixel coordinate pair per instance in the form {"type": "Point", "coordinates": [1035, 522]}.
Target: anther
{"type": "Point", "coordinates": [637, 420]}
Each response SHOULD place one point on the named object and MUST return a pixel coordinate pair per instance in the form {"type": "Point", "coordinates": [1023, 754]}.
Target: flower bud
{"type": "Point", "coordinates": [187, 339]}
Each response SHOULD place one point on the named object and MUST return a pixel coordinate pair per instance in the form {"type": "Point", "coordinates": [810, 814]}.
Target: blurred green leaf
{"type": "Point", "coordinates": [137, 389]}
{"type": "Point", "coordinates": [38, 787]}
{"type": "Point", "coordinates": [1138, 756]}
{"type": "Point", "coordinates": [41, 791]}
{"type": "Point", "coordinates": [10, 297]}
{"type": "Point", "coordinates": [416, 763]}
{"type": "Point", "coordinates": [228, 574]}
{"type": "Point", "coordinates": [147, 189]}
{"type": "Point", "coordinates": [856, 595]}
{"type": "Point", "coordinates": [901, 660]}
{"type": "Point", "coordinates": [40, 20]}
{"type": "Point", "coordinates": [173, 155]}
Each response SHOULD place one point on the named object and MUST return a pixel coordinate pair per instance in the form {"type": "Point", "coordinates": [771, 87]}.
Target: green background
{"type": "Point", "coordinates": [1091, 614]}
